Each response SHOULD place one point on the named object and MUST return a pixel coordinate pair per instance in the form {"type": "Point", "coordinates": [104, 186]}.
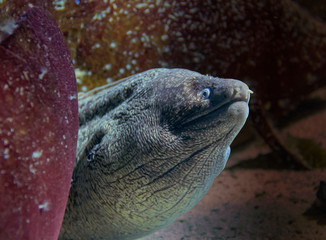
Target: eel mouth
{"type": "Point", "coordinates": [239, 95]}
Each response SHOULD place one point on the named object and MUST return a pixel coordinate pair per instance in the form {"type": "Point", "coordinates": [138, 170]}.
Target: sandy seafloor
{"type": "Point", "coordinates": [258, 203]}
{"type": "Point", "coordinates": [252, 204]}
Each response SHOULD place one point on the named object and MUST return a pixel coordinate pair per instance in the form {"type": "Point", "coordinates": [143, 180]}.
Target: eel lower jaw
{"type": "Point", "coordinates": [239, 110]}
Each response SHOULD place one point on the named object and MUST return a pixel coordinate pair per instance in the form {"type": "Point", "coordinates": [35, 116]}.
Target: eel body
{"type": "Point", "coordinates": [148, 150]}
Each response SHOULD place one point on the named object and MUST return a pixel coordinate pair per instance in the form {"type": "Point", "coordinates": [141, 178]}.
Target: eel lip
{"type": "Point", "coordinates": [239, 95]}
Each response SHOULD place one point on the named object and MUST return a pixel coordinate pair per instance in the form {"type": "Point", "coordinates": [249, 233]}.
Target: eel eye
{"type": "Point", "coordinates": [205, 93]}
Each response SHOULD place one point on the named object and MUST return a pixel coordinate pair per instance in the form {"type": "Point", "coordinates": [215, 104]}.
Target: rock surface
{"type": "Point", "coordinates": [38, 126]}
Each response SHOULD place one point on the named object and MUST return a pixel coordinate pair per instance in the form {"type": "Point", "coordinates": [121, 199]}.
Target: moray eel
{"type": "Point", "coordinates": [148, 150]}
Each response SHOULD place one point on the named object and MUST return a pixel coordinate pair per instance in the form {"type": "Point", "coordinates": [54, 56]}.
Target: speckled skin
{"type": "Point", "coordinates": [149, 148]}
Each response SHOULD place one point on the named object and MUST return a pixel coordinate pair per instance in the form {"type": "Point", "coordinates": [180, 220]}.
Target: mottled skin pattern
{"type": "Point", "coordinates": [148, 150]}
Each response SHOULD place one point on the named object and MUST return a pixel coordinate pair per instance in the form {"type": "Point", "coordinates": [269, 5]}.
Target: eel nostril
{"type": "Point", "coordinates": [249, 92]}
{"type": "Point", "coordinates": [238, 92]}
{"type": "Point", "coordinates": [241, 92]}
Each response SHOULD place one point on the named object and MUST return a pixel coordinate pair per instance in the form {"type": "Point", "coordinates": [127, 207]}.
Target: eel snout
{"type": "Point", "coordinates": [238, 91]}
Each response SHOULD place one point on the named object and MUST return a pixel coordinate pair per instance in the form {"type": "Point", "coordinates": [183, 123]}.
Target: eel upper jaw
{"type": "Point", "coordinates": [238, 96]}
